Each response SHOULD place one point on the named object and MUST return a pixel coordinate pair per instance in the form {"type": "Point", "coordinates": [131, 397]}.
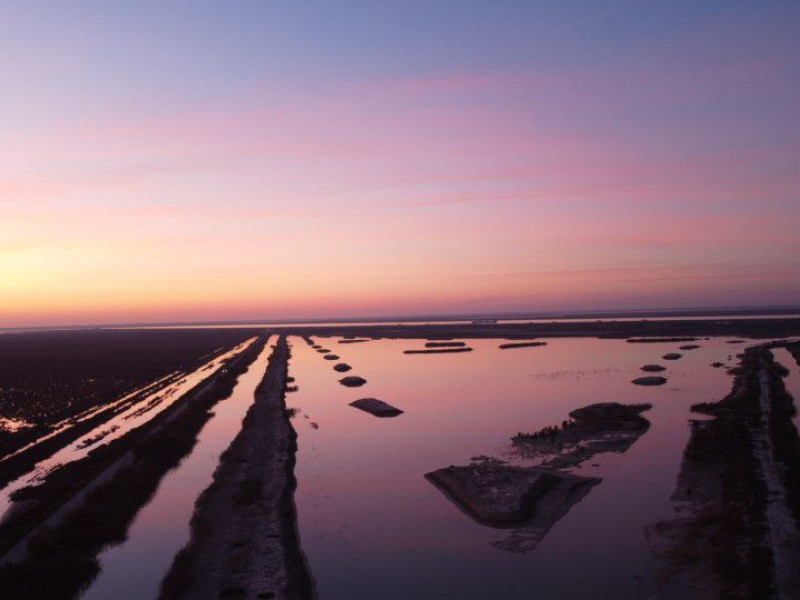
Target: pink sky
{"type": "Point", "coordinates": [649, 183]}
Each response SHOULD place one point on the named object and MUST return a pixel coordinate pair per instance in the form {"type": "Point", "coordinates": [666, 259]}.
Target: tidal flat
{"type": "Point", "coordinates": [301, 495]}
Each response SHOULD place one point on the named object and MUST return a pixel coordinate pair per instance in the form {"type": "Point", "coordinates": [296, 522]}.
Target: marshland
{"type": "Point", "coordinates": [174, 464]}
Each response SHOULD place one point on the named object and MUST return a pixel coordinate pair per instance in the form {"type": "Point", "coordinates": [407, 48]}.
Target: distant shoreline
{"type": "Point", "coordinates": [777, 311]}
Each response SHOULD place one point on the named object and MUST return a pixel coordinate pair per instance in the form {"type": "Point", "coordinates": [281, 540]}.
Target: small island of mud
{"type": "Point", "coordinates": [521, 345]}
{"type": "Point", "coordinates": [501, 495]}
{"type": "Point", "coordinates": [661, 340]}
{"type": "Point", "coordinates": [672, 356]}
{"type": "Point", "coordinates": [445, 344]}
{"type": "Point", "coordinates": [601, 427]}
{"type": "Point", "coordinates": [529, 500]}
{"type": "Point", "coordinates": [376, 407]}
{"type": "Point", "coordinates": [342, 367]}
{"type": "Point", "coordinates": [352, 381]}
{"type": "Point", "coordinates": [653, 368]}
{"type": "Point", "coordinates": [649, 381]}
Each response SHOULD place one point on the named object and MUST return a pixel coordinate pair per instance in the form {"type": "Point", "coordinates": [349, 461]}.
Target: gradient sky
{"type": "Point", "coordinates": [194, 160]}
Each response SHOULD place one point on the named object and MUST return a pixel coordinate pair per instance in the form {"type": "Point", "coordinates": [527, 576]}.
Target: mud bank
{"type": "Point", "coordinates": [376, 407]}
{"type": "Point", "coordinates": [438, 351]}
{"type": "Point", "coordinates": [352, 381]}
{"type": "Point", "coordinates": [501, 495]}
{"type": "Point", "coordinates": [736, 535]}
{"type": "Point", "coordinates": [244, 541]}
{"type": "Point", "coordinates": [54, 538]}
{"type": "Point", "coordinates": [529, 500]}
{"type": "Point", "coordinates": [649, 381]}
{"type": "Point", "coordinates": [521, 345]}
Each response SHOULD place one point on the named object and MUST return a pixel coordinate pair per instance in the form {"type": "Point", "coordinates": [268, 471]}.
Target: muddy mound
{"type": "Point", "coordinates": [352, 381]}
{"type": "Point", "coordinates": [438, 351]}
{"type": "Point", "coordinates": [660, 340]}
{"type": "Point", "coordinates": [689, 347]}
{"type": "Point", "coordinates": [672, 356]}
{"type": "Point", "coordinates": [330, 357]}
{"type": "Point", "coordinates": [496, 494]}
{"type": "Point", "coordinates": [653, 368]}
{"type": "Point", "coordinates": [445, 344]}
{"type": "Point", "coordinates": [342, 367]}
{"type": "Point", "coordinates": [521, 345]}
{"type": "Point", "coordinates": [650, 381]}
{"type": "Point", "coordinates": [377, 407]}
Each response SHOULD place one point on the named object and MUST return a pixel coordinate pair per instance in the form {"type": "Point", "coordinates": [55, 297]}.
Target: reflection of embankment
{"type": "Point", "coordinates": [244, 541]}
{"type": "Point", "coordinates": [79, 509]}
{"type": "Point", "coordinates": [530, 500]}
{"type": "Point", "coordinates": [736, 533]}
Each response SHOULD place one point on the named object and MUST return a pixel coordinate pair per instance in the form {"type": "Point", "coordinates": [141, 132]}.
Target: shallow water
{"type": "Point", "coordinates": [372, 526]}
{"type": "Point", "coordinates": [135, 568]}
{"type": "Point", "coordinates": [119, 425]}
{"type": "Point", "coordinates": [792, 381]}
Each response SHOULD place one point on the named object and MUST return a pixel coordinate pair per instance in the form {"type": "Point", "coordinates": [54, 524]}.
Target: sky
{"type": "Point", "coordinates": [191, 160]}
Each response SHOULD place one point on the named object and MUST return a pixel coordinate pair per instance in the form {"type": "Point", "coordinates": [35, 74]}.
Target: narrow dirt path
{"type": "Point", "coordinates": [244, 541]}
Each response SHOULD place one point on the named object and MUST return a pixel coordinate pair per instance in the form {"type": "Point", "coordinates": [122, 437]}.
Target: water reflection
{"type": "Point", "coordinates": [128, 419]}
{"type": "Point", "coordinates": [373, 527]}
{"type": "Point", "coordinates": [792, 380]}
{"type": "Point", "coordinates": [135, 568]}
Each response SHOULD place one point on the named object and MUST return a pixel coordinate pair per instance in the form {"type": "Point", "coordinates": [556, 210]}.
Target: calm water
{"type": "Point", "coordinates": [122, 423]}
{"type": "Point", "coordinates": [792, 382]}
{"type": "Point", "coordinates": [134, 569]}
{"type": "Point", "coordinates": [373, 527]}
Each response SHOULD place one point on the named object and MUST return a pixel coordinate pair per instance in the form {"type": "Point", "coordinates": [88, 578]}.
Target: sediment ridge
{"type": "Point", "coordinates": [740, 488]}
{"type": "Point", "coordinates": [244, 541]}
{"type": "Point", "coordinates": [51, 542]}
